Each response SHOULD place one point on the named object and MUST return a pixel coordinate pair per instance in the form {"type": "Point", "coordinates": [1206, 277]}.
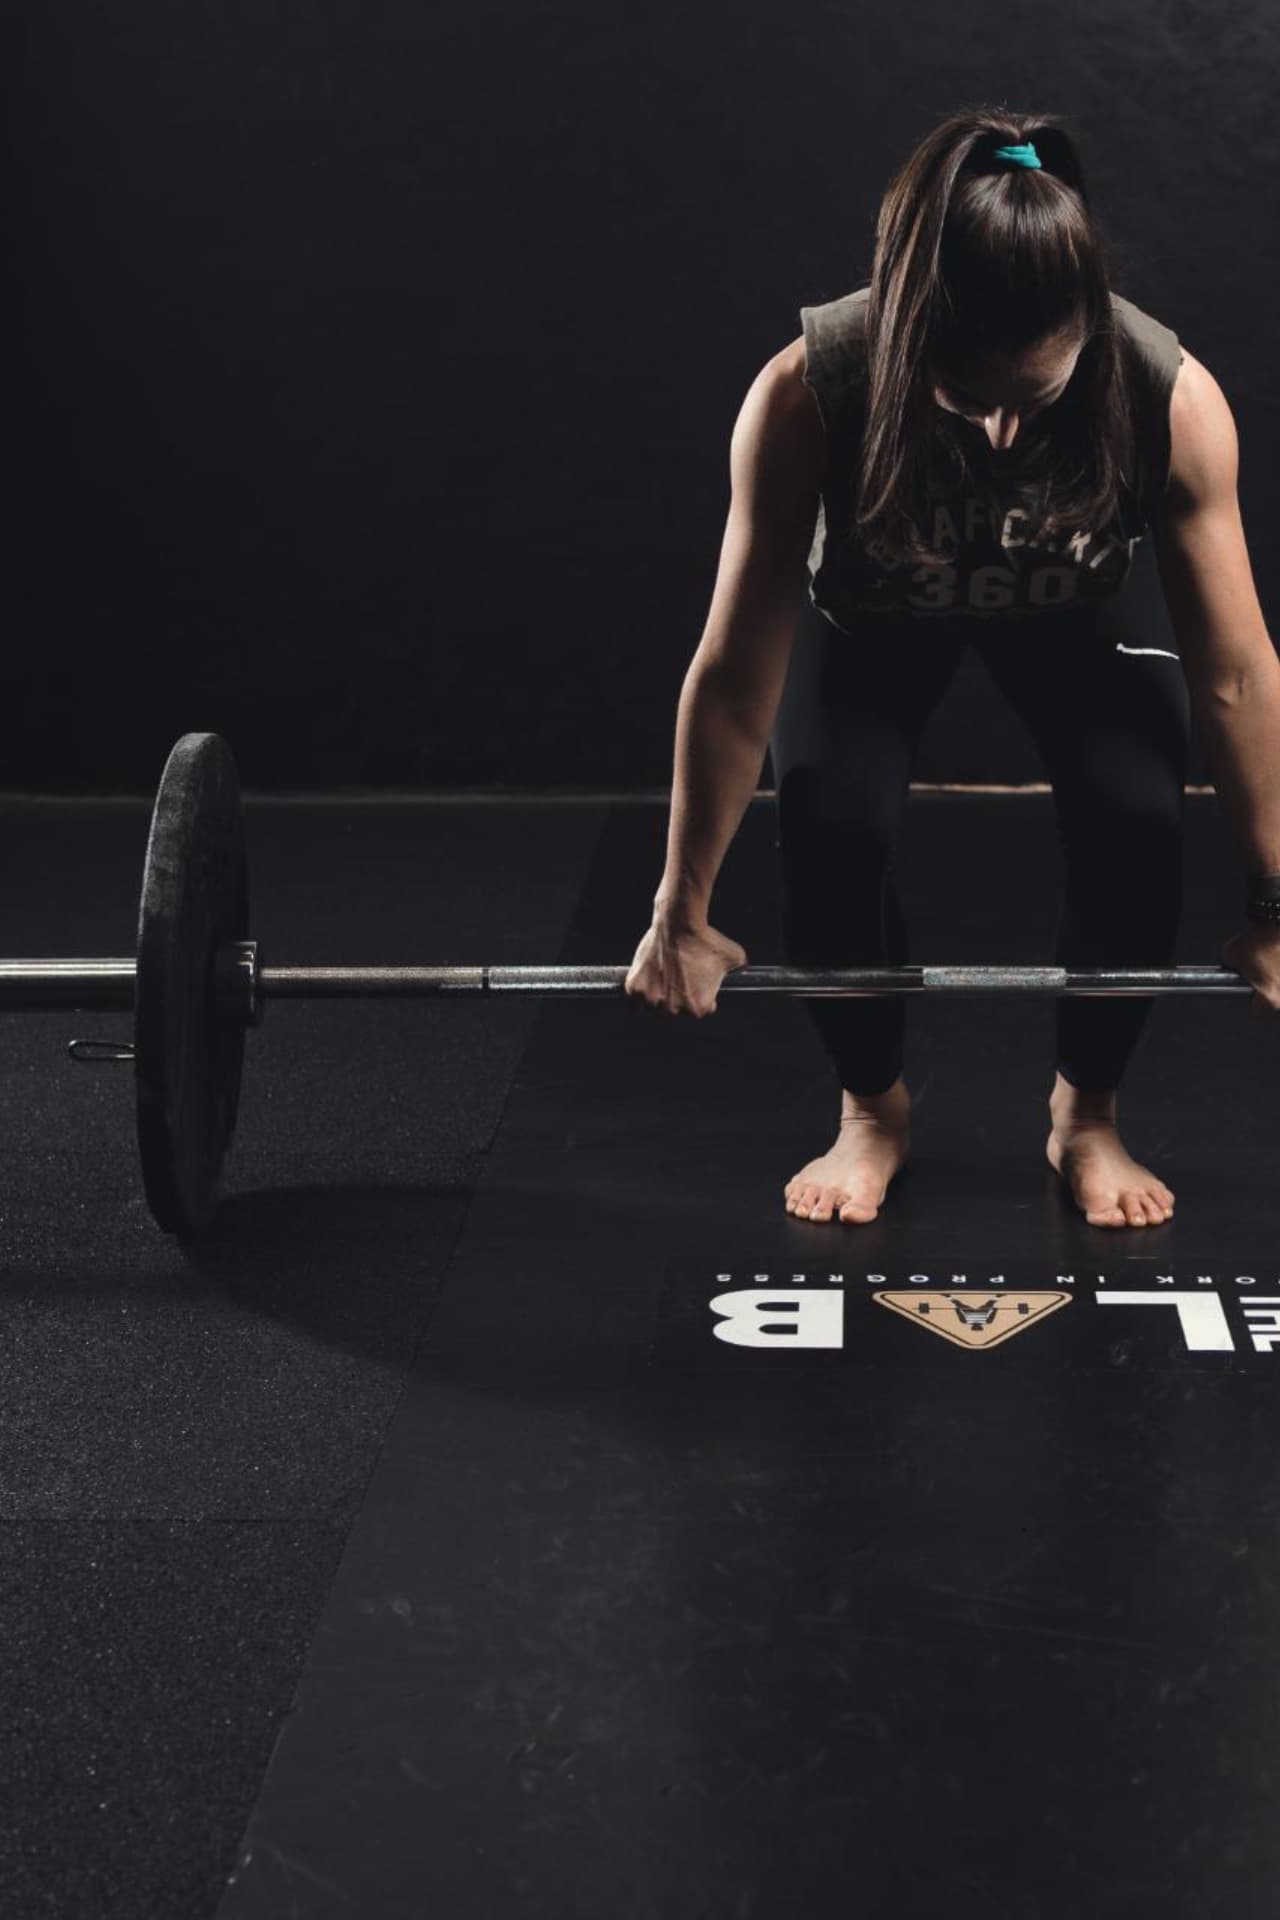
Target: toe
{"type": "Point", "coordinates": [862, 1202]}
{"type": "Point", "coordinates": [859, 1210]}
{"type": "Point", "coordinates": [1132, 1208]}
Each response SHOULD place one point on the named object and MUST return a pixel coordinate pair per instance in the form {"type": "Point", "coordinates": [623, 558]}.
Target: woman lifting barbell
{"type": "Point", "coordinates": [968, 451]}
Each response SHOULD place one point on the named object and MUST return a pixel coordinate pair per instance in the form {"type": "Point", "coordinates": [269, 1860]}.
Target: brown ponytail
{"type": "Point", "coordinates": [973, 255]}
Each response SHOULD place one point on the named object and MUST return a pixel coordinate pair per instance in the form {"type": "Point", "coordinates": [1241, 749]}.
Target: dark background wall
{"type": "Point", "coordinates": [371, 368]}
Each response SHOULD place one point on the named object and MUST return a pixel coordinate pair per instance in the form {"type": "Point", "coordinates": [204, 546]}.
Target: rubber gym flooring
{"type": "Point", "coordinates": [420, 1544]}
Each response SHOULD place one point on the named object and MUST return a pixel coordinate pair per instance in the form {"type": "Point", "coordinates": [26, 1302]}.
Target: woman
{"type": "Point", "coordinates": [968, 452]}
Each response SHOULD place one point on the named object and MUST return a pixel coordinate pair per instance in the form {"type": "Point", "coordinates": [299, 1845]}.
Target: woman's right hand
{"type": "Point", "coordinates": [679, 966]}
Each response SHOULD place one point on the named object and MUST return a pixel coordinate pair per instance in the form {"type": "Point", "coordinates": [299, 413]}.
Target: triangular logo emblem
{"type": "Point", "coordinates": [974, 1319]}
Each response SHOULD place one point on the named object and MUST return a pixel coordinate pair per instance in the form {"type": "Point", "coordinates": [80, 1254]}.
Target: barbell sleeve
{"type": "Point", "coordinates": [67, 983]}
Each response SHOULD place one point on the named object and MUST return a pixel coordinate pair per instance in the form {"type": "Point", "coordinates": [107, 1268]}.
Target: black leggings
{"type": "Point", "coordinates": [1112, 731]}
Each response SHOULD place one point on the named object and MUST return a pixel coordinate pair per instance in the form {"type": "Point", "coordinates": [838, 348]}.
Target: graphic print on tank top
{"type": "Point", "coordinates": [994, 563]}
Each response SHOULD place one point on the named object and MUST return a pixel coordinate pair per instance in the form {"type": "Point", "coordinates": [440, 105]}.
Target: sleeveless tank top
{"type": "Point", "coordinates": [995, 569]}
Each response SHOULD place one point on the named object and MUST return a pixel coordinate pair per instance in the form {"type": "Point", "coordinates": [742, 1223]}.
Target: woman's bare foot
{"type": "Point", "coordinates": [1110, 1187]}
{"type": "Point", "coordinates": [853, 1178]}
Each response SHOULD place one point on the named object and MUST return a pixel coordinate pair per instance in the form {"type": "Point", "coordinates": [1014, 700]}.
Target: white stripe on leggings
{"type": "Point", "coordinates": [1164, 651]}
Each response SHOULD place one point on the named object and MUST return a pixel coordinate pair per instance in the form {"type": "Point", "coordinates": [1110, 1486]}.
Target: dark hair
{"type": "Point", "coordinates": [974, 255]}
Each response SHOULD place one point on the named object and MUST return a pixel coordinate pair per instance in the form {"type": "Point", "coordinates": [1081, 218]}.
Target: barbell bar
{"type": "Point", "coordinates": [110, 983]}
{"type": "Point", "coordinates": [197, 983]}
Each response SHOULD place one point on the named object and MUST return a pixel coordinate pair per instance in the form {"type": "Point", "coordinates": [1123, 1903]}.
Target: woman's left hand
{"type": "Point", "coordinates": [1255, 955]}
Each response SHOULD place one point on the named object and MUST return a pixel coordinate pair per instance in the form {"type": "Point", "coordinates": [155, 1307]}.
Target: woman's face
{"type": "Point", "coordinates": [1000, 390]}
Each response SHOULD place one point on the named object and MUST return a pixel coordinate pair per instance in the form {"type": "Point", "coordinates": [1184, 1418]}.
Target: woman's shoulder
{"type": "Point", "coordinates": [830, 353]}
{"type": "Point", "coordinates": [1152, 346]}
{"type": "Point", "coordinates": [835, 330]}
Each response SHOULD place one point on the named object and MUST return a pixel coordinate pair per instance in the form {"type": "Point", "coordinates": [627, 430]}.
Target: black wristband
{"type": "Point", "coordinates": [1262, 899]}
{"type": "Point", "coordinates": [1261, 905]}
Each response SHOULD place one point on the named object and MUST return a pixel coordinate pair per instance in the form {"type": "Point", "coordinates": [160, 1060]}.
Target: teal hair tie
{"type": "Point", "coordinates": [1024, 156]}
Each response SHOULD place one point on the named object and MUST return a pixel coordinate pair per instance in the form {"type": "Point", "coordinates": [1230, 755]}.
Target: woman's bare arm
{"type": "Point", "coordinates": [735, 679]}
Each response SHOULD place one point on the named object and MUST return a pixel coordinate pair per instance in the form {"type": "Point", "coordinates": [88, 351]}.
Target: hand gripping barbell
{"type": "Point", "coordinates": [197, 983]}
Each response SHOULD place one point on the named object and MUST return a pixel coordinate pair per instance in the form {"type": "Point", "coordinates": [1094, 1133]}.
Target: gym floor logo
{"type": "Point", "coordinates": [712, 1317]}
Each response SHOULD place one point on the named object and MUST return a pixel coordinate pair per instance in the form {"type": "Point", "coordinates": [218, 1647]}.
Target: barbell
{"type": "Point", "coordinates": [197, 983]}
